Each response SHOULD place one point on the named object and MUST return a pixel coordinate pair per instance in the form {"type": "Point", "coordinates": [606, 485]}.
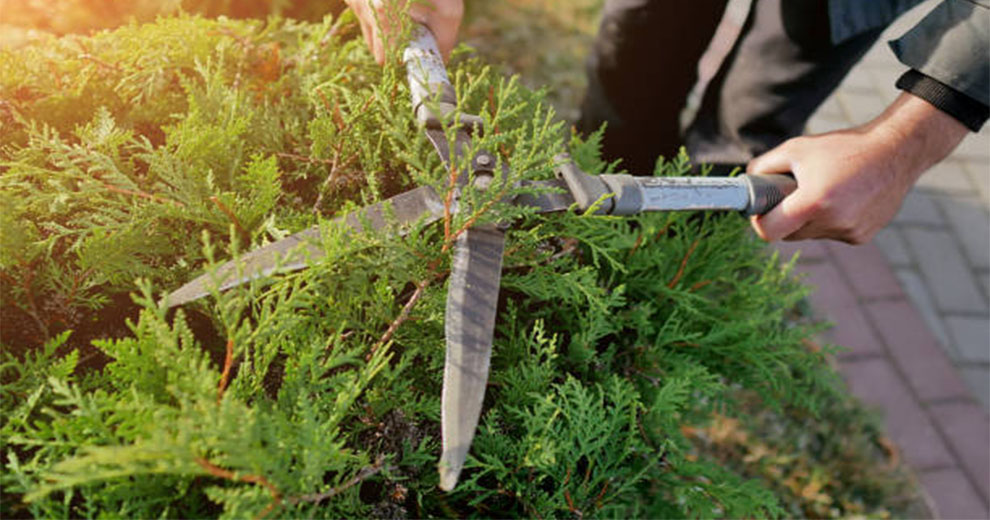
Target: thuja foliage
{"type": "Point", "coordinates": [156, 151]}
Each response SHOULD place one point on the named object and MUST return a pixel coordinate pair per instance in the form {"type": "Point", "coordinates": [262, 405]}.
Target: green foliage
{"type": "Point", "coordinates": [169, 147]}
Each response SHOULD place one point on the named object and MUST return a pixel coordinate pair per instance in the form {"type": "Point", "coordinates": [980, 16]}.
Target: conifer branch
{"type": "Point", "coordinates": [448, 202]}
{"type": "Point", "coordinates": [219, 472]}
{"type": "Point", "coordinates": [699, 285]}
{"type": "Point", "coordinates": [31, 309]}
{"type": "Point", "coordinates": [335, 166]}
{"type": "Point", "coordinates": [228, 361]}
{"type": "Point", "coordinates": [362, 475]}
{"type": "Point", "coordinates": [635, 247]}
{"type": "Point", "coordinates": [684, 261]}
{"type": "Point", "coordinates": [403, 315]}
{"type": "Point", "coordinates": [141, 194]}
{"type": "Point", "coordinates": [109, 66]}
{"type": "Point", "coordinates": [233, 218]}
{"type": "Point", "coordinates": [303, 158]}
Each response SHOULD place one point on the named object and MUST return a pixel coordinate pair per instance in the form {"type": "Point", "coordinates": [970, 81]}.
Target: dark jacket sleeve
{"type": "Point", "coordinates": [952, 46]}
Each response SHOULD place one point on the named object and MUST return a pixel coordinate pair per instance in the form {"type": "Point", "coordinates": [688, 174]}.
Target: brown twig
{"type": "Point", "coordinates": [334, 168]}
{"type": "Point", "coordinates": [362, 475]}
{"type": "Point", "coordinates": [89, 57]}
{"type": "Point", "coordinates": [448, 201]}
{"type": "Point", "coordinates": [699, 285]}
{"type": "Point", "coordinates": [635, 247]}
{"type": "Point", "coordinates": [219, 472]}
{"type": "Point", "coordinates": [228, 361]}
{"type": "Point", "coordinates": [403, 315]}
{"type": "Point", "coordinates": [601, 494]}
{"type": "Point", "coordinates": [141, 194]}
{"type": "Point", "coordinates": [233, 218]}
{"type": "Point", "coordinates": [311, 160]}
{"type": "Point", "coordinates": [32, 307]}
{"type": "Point", "coordinates": [449, 239]}
{"type": "Point", "coordinates": [680, 269]}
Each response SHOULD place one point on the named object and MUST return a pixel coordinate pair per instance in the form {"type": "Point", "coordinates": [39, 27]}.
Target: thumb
{"type": "Point", "coordinates": [777, 160]}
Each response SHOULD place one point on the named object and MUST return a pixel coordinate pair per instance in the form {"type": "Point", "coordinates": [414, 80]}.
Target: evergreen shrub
{"type": "Point", "coordinates": [154, 152]}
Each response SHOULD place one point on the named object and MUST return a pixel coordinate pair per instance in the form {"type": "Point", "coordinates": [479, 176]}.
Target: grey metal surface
{"type": "Point", "coordinates": [293, 252]}
{"type": "Point", "coordinates": [472, 302]}
{"type": "Point", "coordinates": [426, 73]}
{"type": "Point", "coordinates": [694, 193]}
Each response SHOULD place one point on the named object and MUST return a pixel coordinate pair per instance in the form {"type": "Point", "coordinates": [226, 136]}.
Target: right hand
{"type": "Point", "coordinates": [377, 18]}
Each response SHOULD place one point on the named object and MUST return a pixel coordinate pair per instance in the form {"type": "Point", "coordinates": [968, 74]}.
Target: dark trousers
{"type": "Point", "coordinates": [644, 63]}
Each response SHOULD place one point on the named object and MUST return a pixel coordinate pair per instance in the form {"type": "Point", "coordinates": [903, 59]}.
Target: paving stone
{"type": "Point", "coordinates": [866, 268]}
{"type": "Point", "coordinates": [915, 350]}
{"type": "Point", "coordinates": [971, 336]}
{"type": "Point", "coordinates": [918, 208]}
{"type": "Point", "coordinates": [922, 300]}
{"type": "Point", "coordinates": [943, 267]}
{"type": "Point", "coordinates": [879, 55]}
{"type": "Point", "coordinates": [807, 250]}
{"type": "Point", "coordinates": [858, 80]}
{"type": "Point", "coordinates": [967, 427]}
{"type": "Point", "coordinates": [884, 77]}
{"type": "Point", "coordinates": [979, 174]}
{"type": "Point", "coordinates": [977, 378]}
{"type": "Point", "coordinates": [953, 495]}
{"type": "Point", "coordinates": [835, 301]}
{"type": "Point", "coordinates": [829, 109]}
{"type": "Point", "coordinates": [970, 221]}
{"type": "Point", "coordinates": [947, 176]}
{"type": "Point", "coordinates": [974, 146]}
{"type": "Point", "coordinates": [824, 124]}
{"type": "Point", "coordinates": [890, 241]}
{"type": "Point", "coordinates": [860, 105]}
{"type": "Point", "coordinates": [877, 384]}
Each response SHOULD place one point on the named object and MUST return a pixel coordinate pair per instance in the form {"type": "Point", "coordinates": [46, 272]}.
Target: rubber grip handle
{"type": "Point", "coordinates": [766, 191]}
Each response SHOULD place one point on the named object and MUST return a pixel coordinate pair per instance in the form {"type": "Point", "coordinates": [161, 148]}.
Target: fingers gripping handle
{"type": "Point", "coordinates": [766, 191]}
{"type": "Point", "coordinates": [427, 76]}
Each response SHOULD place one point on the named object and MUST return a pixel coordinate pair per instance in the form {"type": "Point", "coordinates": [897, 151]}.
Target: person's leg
{"type": "Point", "coordinates": [640, 70]}
{"type": "Point", "coordinates": [782, 67]}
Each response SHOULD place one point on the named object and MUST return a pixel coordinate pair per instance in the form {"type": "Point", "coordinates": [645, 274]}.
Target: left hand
{"type": "Point", "coordinates": [852, 182]}
{"type": "Point", "coordinates": [378, 19]}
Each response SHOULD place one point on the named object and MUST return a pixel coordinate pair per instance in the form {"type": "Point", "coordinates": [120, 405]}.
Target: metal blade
{"type": "Point", "coordinates": [472, 302]}
{"type": "Point", "coordinates": [554, 200]}
{"type": "Point", "coordinates": [291, 253]}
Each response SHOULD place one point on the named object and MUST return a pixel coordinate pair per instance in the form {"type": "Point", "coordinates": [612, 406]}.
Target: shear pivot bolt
{"type": "Point", "coordinates": [482, 182]}
{"type": "Point", "coordinates": [484, 160]}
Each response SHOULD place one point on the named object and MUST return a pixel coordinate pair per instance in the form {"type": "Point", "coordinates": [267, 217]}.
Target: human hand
{"type": "Point", "coordinates": [379, 25]}
{"type": "Point", "coordinates": [852, 182]}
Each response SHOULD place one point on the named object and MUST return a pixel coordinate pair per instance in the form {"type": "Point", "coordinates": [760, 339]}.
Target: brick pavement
{"type": "Point", "coordinates": [912, 307]}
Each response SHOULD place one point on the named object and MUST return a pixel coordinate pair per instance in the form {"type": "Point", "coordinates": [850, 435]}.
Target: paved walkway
{"type": "Point", "coordinates": [912, 307]}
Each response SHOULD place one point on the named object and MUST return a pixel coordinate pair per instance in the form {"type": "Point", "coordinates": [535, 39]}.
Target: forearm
{"type": "Point", "coordinates": [921, 135]}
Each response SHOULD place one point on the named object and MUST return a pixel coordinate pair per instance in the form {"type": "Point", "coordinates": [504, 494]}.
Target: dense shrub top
{"type": "Point", "coordinates": [149, 152]}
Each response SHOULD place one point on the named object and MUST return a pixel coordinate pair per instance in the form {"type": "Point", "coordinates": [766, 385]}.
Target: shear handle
{"type": "Point", "coordinates": [427, 76]}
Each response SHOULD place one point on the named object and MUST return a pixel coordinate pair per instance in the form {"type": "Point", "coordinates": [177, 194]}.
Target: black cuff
{"type": "Point", "coordinates": [963, 108]}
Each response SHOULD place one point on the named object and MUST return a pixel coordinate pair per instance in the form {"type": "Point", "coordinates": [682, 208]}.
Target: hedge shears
{"type": "Point", "coordinates": [473, 285]}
